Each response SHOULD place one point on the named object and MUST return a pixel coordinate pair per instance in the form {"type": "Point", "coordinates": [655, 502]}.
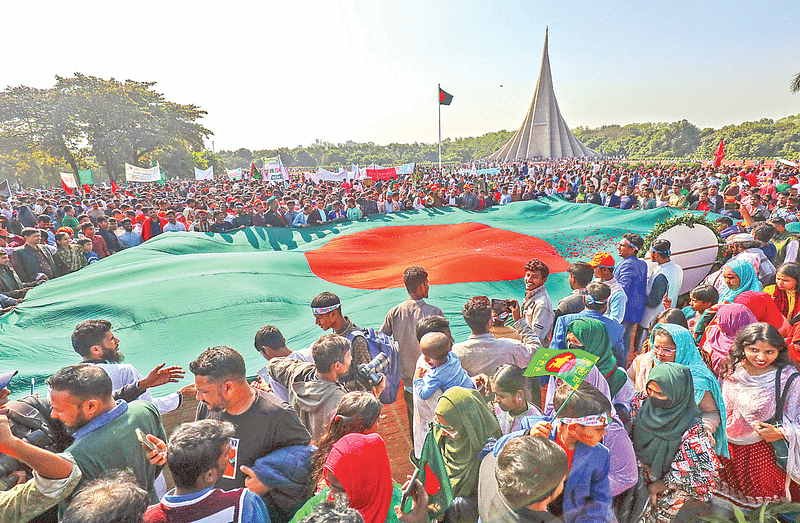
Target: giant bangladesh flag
{"type": "Point", "coordinates": [180, 293]}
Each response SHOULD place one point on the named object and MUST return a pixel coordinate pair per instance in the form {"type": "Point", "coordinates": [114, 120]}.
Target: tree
{"type": "Point", "coordinates": [795, 86]}
{"type": "Point", "coordinates": [85, 117]}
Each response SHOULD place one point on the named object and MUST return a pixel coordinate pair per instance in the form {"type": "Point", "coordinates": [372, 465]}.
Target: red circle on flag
{"type": "Point", "coordinates": [557, 362]}
{"type": "Point", "coordinates": [459, 253]}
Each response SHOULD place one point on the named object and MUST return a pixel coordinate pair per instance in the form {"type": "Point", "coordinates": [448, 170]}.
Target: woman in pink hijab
{"type": "Point", "coordinates": [720, 335]}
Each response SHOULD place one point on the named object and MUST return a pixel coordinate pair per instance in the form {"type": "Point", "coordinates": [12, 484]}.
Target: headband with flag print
{"type": "Point", "coordinates": [597, 420]}
{"type": "Point", "coordinates": [325, 310]}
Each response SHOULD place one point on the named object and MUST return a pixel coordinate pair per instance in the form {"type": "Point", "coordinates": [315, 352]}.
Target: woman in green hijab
{"type": "Point", "coordinates": [467, 423]}
{"type": "Point", "coordinates": [671, 443]}
{"type": "Point", "coordinates": [592, 336]}
{"type": "Point", "coordinates": [674, 343]}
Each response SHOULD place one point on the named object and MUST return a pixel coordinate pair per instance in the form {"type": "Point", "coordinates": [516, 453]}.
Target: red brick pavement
{"type": "Point", "coordinates": [394, 430]}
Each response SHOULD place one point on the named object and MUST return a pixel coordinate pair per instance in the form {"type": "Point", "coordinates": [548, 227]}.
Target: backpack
{"type": "Point", "coordinates": [377, 343]}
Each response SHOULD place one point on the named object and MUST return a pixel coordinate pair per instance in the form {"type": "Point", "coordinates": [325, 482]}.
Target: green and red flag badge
{"type": "Point", "coordinates": [571, 365]}
{"type": "Point", "coordinates": [444, 97]}
{"type": "Point", "coordinates": [432, 473]}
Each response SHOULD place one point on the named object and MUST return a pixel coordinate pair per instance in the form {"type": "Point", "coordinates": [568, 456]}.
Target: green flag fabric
{"type": "Point", "coordinates": [444, 97]}
{"type": "Point", "coordinates": [180, 293]}
{"type": "Point", "coordinates": [85, 177]}
{"type": "Point", "coordinates": [433, 476]}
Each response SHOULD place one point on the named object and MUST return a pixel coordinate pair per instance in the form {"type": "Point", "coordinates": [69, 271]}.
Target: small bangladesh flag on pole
{"type": "Point", "coordinates": [444, 97]}
{"type": "Point", "coordinates": [253, 170]}
{"type": "Point", "coordinates": [432, 473]}
{"type": "Point", "coordinates": [571, 365]}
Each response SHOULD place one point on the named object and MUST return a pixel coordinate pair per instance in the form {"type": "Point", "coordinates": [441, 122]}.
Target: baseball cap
{"type": "Point", "coordinates": [741, 237]}
{"type": "Point", "coordinates": [602, 259]}
{"type": "Point", "coordinates": [5, 378]}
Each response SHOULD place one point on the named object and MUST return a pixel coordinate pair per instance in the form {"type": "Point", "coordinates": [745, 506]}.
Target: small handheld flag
{"type": "Point", "coordinates": [571, 365]}
{"type": "Point", "coordinates": [432, 473]}
{"type": "Point", "coordinates": [719, 154]}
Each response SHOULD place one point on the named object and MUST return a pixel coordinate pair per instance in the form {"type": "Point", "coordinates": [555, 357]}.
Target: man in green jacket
{"type": "Point", "coordinates": [105, 435]}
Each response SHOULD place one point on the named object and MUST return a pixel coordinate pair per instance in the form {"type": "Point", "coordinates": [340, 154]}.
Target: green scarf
{"type": "Point", "coordinates": [465, 411]}
{"type": "Point", "coordinates": [657, 432]}
{"type": "Point", "coordinates": [594, 337]}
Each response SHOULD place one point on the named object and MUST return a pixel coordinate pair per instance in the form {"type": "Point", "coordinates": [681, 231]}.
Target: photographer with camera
{"type": "Point", "coordinates": [55, 476]}
{"type": "Point", "coordinates": [315, 389]}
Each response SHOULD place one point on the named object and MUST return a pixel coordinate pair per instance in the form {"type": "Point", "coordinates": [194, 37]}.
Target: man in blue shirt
{"type": "Point", "coordinates": [628, 200]}
{"type": "Point", "coordinates": [197, 456]}
{"type": "Point", "coordinates": [631, 273]}
{"type": "Point", "coordinates": [129, 238]}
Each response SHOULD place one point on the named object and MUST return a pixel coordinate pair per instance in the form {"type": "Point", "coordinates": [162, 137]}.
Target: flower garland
{"type": "Point", "coordinates": [690, 220]}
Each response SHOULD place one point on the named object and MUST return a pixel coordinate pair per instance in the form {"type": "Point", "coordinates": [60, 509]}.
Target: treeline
{"type": "Point", "coordinates": [325, 154]}
{"type": "Point", "coordinates": [86, 122]}
{"type": "Point", "coordinates": [764, 138]}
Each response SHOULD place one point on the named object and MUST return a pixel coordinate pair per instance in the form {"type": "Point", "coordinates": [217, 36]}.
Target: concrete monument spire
{"type": "Point", "coordinates": [543, 133]}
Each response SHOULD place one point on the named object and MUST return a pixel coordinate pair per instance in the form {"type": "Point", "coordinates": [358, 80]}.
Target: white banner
{"type": "Point", "coordinates": [405, 169]}
{"type": "Point", "coordinates": [234, 174]}
{"type": "Point", "coordinates": [138, 174]}
{"type": "Point", "coordinates": [274, 171]}
{"type": "Point", "coordinates": [69, 180]}
{"type": "Point", "coordinates": [329, 176]}
{"type": "Point", "coordinates": [208, 174]}
{"type": "Point", "coordinates": [786, 162]}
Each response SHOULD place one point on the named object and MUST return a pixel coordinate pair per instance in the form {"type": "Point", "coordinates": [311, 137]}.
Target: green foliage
{"type": "Point", "coordinates": [764, 138]}
{"type": "Point", "coordinates": [763, 514]}
{"type": "Point", "coordinates": [324, 154]}
{"type": "Point", "coordinates": [86, 121]}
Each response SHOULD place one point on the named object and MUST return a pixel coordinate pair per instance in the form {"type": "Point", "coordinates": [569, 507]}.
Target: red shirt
{"type": "Point", "coordinates": [570, 452]}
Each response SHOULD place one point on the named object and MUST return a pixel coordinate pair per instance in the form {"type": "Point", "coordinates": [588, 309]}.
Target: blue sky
{"type": "Point", "coordinates": [275, 74]}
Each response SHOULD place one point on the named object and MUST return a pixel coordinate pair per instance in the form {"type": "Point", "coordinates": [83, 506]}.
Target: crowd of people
{"type": "Point", "coordinates": [690, 408]}
{"type": "Point", "coordinates": [76, 231]}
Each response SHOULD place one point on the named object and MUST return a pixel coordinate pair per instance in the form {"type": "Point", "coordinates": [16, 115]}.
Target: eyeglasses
{"type": "Point", "coordinates": [664, 350]}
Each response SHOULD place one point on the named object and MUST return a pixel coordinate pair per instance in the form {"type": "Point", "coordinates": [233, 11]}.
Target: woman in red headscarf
{"type": "Point", "coordinates": [358, 467]}
{"type": "Point", "coordinates": [765, 310]}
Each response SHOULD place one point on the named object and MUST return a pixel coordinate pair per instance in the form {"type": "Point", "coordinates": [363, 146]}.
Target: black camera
{"type": "Point", "coordinates": [369, 374]}
{"type": "Point", "coordinates": [29, 425]}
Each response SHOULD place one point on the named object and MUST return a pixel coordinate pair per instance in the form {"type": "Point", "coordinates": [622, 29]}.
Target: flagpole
{"type": "Point", "coordinates": [439, 103]}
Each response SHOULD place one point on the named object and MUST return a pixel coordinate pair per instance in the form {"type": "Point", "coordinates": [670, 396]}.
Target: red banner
{"type": "Point", "coordinates": [382, 174]}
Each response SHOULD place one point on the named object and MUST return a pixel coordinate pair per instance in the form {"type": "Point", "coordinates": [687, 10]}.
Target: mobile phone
{"type": "Point", "coordinates": [142, 437]}
{"type": "Point", "coordinates": [412, 485]}
{"type": "Point", "coordinates": [501, 307]}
